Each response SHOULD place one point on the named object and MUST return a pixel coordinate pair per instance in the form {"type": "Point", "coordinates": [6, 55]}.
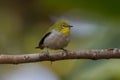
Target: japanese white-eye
{"type": "Point", "coordinates": [57, 38]}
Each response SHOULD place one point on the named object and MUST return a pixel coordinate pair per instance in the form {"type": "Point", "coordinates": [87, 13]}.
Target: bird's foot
{"type": "Point", "coordinates": [65, 52]}
{"type": "Point", "coordinates": [47, 53]}
{"type": "Point", "coordinates": [49, 57]}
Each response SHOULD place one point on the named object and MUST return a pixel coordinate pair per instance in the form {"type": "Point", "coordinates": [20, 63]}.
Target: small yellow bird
{"type": "Point", "coordinates": [57, 38]}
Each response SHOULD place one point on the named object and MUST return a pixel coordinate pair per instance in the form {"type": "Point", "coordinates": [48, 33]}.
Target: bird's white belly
{"type": "Point", "coordinates": [56, 41]}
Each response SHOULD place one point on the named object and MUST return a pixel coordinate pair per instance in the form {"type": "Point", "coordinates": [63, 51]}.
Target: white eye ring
{"type": "Point", "coordinates": [63, 26]}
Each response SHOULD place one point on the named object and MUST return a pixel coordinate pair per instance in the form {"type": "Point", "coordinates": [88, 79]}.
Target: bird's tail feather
{"type": "Point", "coordinates": [40, 47]}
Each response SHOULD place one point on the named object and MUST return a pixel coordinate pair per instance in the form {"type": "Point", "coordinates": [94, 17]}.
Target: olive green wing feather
{"type": "Point", "coordinates": [41, 45]}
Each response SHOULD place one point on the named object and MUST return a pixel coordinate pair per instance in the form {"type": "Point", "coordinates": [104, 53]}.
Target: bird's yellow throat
{"type": "Point", "coordinates": [65, 31]}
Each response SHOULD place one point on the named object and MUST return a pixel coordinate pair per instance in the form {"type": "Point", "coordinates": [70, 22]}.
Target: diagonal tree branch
{"type": "Point", "coordinates": [81, 54]}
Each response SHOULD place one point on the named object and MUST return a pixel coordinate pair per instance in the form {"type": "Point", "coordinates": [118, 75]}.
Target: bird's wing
{"type": "Point", "coordinates": [41, 45]}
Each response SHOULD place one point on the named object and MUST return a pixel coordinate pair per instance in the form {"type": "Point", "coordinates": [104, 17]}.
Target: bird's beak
{"type": "Point", "coordinates": [71, 26]}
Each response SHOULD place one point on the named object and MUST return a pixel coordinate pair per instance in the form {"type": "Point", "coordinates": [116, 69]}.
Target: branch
{"type": "Point", "coordinates": [81, 54]}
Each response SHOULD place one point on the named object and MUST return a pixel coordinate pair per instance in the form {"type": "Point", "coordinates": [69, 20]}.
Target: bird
{"type": "Point", "coordinates": [58, 36]}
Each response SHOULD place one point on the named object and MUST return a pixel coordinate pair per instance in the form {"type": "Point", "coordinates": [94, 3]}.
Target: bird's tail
{"type": "Point", "coordinates": [40, 47]}
{"type": "Point", "coordinates": [37, 47]}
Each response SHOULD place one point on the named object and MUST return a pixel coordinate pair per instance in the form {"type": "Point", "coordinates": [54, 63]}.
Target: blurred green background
{"type": "Point", "coordinates": [96, 26]}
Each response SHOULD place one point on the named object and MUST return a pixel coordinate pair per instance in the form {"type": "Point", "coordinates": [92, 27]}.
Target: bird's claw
{"type": "Point", "coordinates": [65, 52]}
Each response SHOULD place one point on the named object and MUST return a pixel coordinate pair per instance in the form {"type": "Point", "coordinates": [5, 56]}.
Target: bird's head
{"type": "Point", "coordinates": [63, 27]}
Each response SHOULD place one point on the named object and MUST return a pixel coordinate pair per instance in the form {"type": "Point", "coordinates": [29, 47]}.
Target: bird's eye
{"type": "Point", "coordinates": [63, 25]}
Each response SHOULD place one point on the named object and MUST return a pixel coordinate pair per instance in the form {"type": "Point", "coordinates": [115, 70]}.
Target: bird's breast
{"type": "Point", "coordinates": [56, 40]}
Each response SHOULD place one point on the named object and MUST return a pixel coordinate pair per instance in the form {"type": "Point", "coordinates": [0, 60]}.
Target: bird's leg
{"type": "Point", "coordinates": [63, 49]}
{"type": "Point", "coordinates": [64, 54]}
{"type": "Point", "coordinates": [47, 52]}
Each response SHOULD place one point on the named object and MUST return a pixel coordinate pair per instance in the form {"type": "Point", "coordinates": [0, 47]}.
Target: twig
{"type": "Point", "coordinates": [78, 54]}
